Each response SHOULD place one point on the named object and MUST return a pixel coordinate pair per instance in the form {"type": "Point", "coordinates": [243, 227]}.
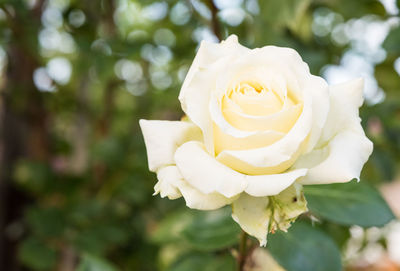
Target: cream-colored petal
{"type": "Point", "coordinates": [245, 168]}
{"type": "Point", "coordinates": [318, 89]}
{"type": "Point", "coordinates": [253, 216]}
{"type": "Point", "coordinates": [207, 54]}
{"type": "Point", "coordinates": [224, 141]}
{"type": "Point", "coordinates": [206, 174]}
{"type": "Point", "coordinates": [296, 72]}
{"type": "Point", "coordinates": [281, 121]}
{"type": "Point", "coordinates": [228, 137]}
{"type": "Point", "coordinates": [342, 159]}
{"type": "Point", "coordinates": [280, 155]}
{"type": "Point", "coordinates": [259, 215]}
{"type": "Point", "coordinates": [194, 199]}
{"type": "Point", "coordinates": [210, 61]}
{"type": "Point", "coordinates": [345, 99]}
{"type": "Point", "coordinates": [260, 105]}
{"type": "Point", "coordinates": [343, 147]}
{"type": "Point", "coordinates": [267, 64]}
{"type": "Point", "coordinates": [167, 185]}
{"type": "Point", "coordinates": [162, 139]}
{"type": "Point", "coordinates": [255, 91]}
{"type": "Point", "coordinates": [270, 185]}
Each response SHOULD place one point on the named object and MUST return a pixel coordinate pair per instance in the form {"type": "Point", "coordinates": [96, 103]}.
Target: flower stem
{"type": "Point", "coordinates": [242, 251]}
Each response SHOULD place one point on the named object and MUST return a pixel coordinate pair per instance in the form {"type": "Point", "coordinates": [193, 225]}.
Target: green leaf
{"type": "Point", "coordinates": [47, 222]}
{"type": "Point", "coordinates": [171, 227]}
{"type": "Point", "coordinates": [35, 177]}
{"type": "Point", "coordinates": [304, 248]}
{"type": "Point", "coordinates": [93, 263]}
{"type": "Point", "coordinates": [285, 12]}
{"type": "Point", "coordinates": [212, 230]}
{"type": "Point", "coordinates": [387, 76]}
{"type": "Point", "coordinates": [98, 239]}
{"type": "Point", "coordinates": [204, 262]}
{"type": "Point", "coordinates": [36, 255]}
{"type": "Point", "coordinates": [348, 204]}
{"type": "Point", "coordinates": [392, 41]}
{"type": "Point", "coordinates": [339, 233]}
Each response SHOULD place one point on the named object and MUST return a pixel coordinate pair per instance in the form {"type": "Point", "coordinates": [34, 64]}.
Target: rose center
{"type": "Point", "coordinates": [267, 109]}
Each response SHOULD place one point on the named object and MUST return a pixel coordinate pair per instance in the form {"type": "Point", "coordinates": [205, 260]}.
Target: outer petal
{"type": "Point", "coordinates": [259, 215]}
{"type": "Point", "coordinates": [211, 60]}
{"type": "Point", "coordinates": [342, 159]}
{"type": "Point", "coordinates": [167, 185]}
{"type": "Point", "coordinates": [172, 180]}
{"type": "Point", "coordinates": [269, 185]}
{"type": "Point", "coordinates": [345, 99]}
{"type": "Point", "coordinates": [207, 175]}
{"type": "Point", "coordinates": [162, 138]}
{"type": "Point", "coordinates": [343, 146]}
{"type": "Point", "coordinates": [318, 88]}
{"type": "Point", "coordinates": [204, 173]}
{"type": "Point", "coordinates": [207, 54]}
{"type": "Point", "coordinates": [253, 216]}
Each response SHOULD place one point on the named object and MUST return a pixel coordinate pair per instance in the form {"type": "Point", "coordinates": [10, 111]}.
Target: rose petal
{"type": "Point", "coordinates": [253, 216]}
{"type": "Point", "coordinates": [318, 89]}
{"type": "Point", "coordinates": [276, 157]}
{"type": "Point", "coordinates": [211, 60]}
{"type": "Point", "coordinates": [167, 185]}
{"type": "Point", "coordinates": [259, 215]}
{"type": "Point", "coordinates": [163, 137]}
{"type": "Point", "coordinates": [260, 105]}
{"type": "Point", "coordinates": [345, 99]}
{"type": "Point", "coordinates": [204, 173]}
{"type": "Point", "coordinates": [281, 121]}
{"type": "Point", "coordinates": [269, 185]}
{"type": "Point", "coordinates": [343, 146]}
{"type": "Point", "coordinates": [224, 141]}
{"type": "Point", "coordinates": [194, 198]}
{"type": "Point", "coordinates": [342, 159]}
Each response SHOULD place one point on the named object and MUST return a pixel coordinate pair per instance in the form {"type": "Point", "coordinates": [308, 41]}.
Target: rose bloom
{"type": "Point", "coordinates": [258, 125]}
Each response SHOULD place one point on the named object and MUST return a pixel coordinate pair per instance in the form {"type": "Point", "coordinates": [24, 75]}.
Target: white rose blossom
{"type": "Point", "coordinates": [258, 124]}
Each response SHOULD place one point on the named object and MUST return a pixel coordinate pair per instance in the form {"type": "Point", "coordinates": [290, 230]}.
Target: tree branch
{"type": "Point", "coordinates": [215, 26]}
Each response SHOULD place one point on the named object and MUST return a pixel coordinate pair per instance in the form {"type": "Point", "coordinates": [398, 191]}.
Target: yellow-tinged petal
{"type": "Point", "coordinates": [206, 174]}
{"type": "Point", "coordinates": [225, 141]}
{"type": "Point", "coordinates": [210, 61]}
{"type": "Point", "coordinates": [253, 216]}
{"type": "Point", "coordinates": [260, 105]}
{"type": "Point", "coordinates": [281, 121]}
{"type": "Point", "coordinates": [279, 155]}
{"type": "Point", "coordinates": [259, 215]}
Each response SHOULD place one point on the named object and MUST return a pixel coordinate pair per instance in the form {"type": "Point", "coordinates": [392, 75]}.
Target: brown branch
{"type": "Point", "coordinates": [215, 26]}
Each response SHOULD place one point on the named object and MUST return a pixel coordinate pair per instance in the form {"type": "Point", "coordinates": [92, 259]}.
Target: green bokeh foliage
{"type": "Point", "coordinates": [78, 190]}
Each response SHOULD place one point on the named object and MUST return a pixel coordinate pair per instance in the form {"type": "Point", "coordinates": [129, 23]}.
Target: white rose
{"type": "Point", "coordinates": [258, 122]}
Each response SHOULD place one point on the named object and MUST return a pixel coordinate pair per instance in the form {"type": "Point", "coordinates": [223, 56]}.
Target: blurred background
{"type": "Point", "coordinates": [77, 75]}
